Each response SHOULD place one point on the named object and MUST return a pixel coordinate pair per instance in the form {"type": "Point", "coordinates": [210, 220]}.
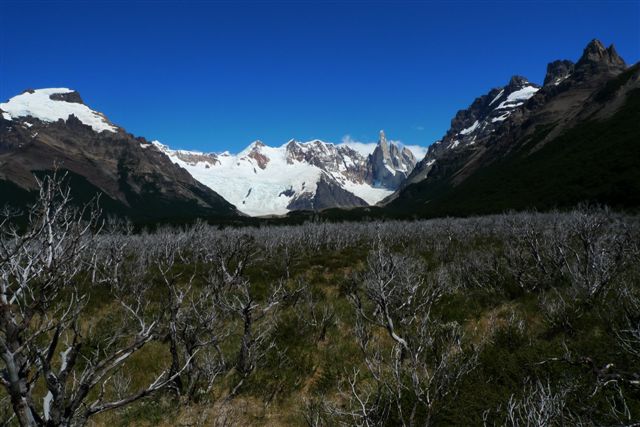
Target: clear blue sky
{"type": "Point", "coordinates": [216, 75]}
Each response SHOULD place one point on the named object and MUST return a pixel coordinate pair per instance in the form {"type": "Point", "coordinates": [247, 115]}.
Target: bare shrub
{"type": "Point", "coordinates": [539, 406]}
{"type": "Point", "coordinates": [44, 338]}
{"type": "Point", "coordinates": [425, 359]}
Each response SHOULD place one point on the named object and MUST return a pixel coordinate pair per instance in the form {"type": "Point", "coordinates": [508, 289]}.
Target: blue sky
{"type": "Point", "coordinates": [216, 75]}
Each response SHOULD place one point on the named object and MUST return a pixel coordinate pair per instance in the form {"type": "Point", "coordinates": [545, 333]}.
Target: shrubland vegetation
{"type": "Point", "coordinates": [521, 319]}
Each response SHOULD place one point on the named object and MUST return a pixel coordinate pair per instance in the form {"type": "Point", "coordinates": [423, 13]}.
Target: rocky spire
{"type": "Point", "coordinates": [389, 164]}
{"type": "Point", "coordinates": [383, 146]}
{"type": "Point", "coordinates": [596, 58]}
{"type": "Point", "coordinates": [383, 138]}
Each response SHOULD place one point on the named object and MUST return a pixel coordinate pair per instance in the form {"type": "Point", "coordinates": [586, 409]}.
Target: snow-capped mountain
{"type": "Point", "coordinates": [53, 104]}
{"type": "Point", "coordinates": [504, 110]}
{"type": "Point", "coordinates": [313, 175]}
{"type": "Point", "coordinates": [486, 113]}
{"type": "Point", "coordinates": [47, 128]}
{"type": "Point", "coordinates": [42, 126]}
{"type": "Point", "coordinates": [478, 122]}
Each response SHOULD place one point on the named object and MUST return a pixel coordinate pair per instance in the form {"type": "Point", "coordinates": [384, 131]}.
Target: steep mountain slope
{"type": "Point", "coordinates": [576, 139]}
{"type": "Point", "coordinates": [47, 128]}
{"type": "Point", "coordinates": [475, 124]}
{"type": "Point", "coordinates": [314, 175]}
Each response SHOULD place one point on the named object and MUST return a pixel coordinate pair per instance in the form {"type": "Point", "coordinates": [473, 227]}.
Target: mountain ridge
{"type": "Point", "coordinates": [598, 92]}
{"type": "Point", "coordinates": [44, 129]}
{"type": "Point", "coordinates": [262, 180]}
{"type": "Point", "coordinates": [519, 123]}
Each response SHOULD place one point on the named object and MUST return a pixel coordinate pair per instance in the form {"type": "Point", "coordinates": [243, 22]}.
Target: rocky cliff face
{"type": "Point", "coordinates": [313, 175]}
{"type": "Point", "coordinates": [47, 128]}
{"type": "Point", "coordinates": [500, 114]}
{"type": "Point", "coordinates": [557, 71]}
{"type": "Point", "coordinates": [476, 124]}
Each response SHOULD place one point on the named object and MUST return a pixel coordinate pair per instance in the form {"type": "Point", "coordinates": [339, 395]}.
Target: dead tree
{"type": "Point", "coordinates": [529, 250]}
{"type": "Point", "coordinates": [594, 255]}
{"type": "Point", "coordinates": [44, 289]}
{"type": "Point", "coordinates": [257, 322]}
{"type": "Point", "coordinates": [539, 406]}
{"type": "Point", "coordinates": [314, 314]}
{"type": "Point", "coordinates": [426, 358]}
{"type": "Point", "coordinates": [235, 298]}
{"type": "Point", "coordinates": [607, 379]}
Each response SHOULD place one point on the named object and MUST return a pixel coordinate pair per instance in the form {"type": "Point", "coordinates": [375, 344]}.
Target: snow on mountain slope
{"type": "Point", "coordinates": [51, 128]}
{"type": "Point", "coordinates": [481, 118]}
{"type": "Point", "coordinates": [517, 98]}
{"type": "Point", "coordinates": [51, 105]}
{"type": "Point", "coordinates": [476, 123]}
{"type": "Point", "coordinates": [263, 180]}
{"type": "Point", "coordinates": [260, 180]}
{"type": "Point", "coordinates": [241, 180]}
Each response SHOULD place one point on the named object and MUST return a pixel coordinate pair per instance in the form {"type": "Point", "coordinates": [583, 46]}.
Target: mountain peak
{"type": "Point", "coordinates": [53, 104]}
{"type": "Point", "coordinates": [557, 71]}
{"type": "Point", "coordinates": [594, 45]}
{"type": "Point", "coordinates": [383, 139]}
{"type": "Point", "coordinates": [516, 82]}
{"type": "Point", "coordinates": [596, 54]}
{"type": "Point", "coordinates": [256, 145]}
{"type": "Point", "coordinates": [390, 164]}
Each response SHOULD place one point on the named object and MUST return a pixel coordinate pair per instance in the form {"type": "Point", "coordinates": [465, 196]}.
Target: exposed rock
{"type": "Point", "coordinates": [596, 59]}
{"type": "Point", "coordinates": [476, 124]}
{"type": "Point", "coordinates": [300, 175]}
{"type": "Point", "coordinates": [194, 158]}
{"type": "Point", "coordinates": [388, 165]}
{"type": "Point", "coordinates": [67, 97]}
{"type": "Point", "coordinates": [557, 71]}
{"type": "Point", "coordinates": [328, 194]}
{"type": "Point", "coordinates": [260, 158]}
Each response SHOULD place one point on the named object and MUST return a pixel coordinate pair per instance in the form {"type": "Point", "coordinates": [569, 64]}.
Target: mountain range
{"type": "Point", "coordinates": [574, 138]}
{"type": "Point", "coordinates": [313, 175]}
{"type": "Point", "coordinates": [40, 128]}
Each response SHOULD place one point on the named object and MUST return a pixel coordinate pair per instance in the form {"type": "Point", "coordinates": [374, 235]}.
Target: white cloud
{"type": "Point", "coordinates": [364, 148]}
{"type": "Point", "coordinates": [418, 151]}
